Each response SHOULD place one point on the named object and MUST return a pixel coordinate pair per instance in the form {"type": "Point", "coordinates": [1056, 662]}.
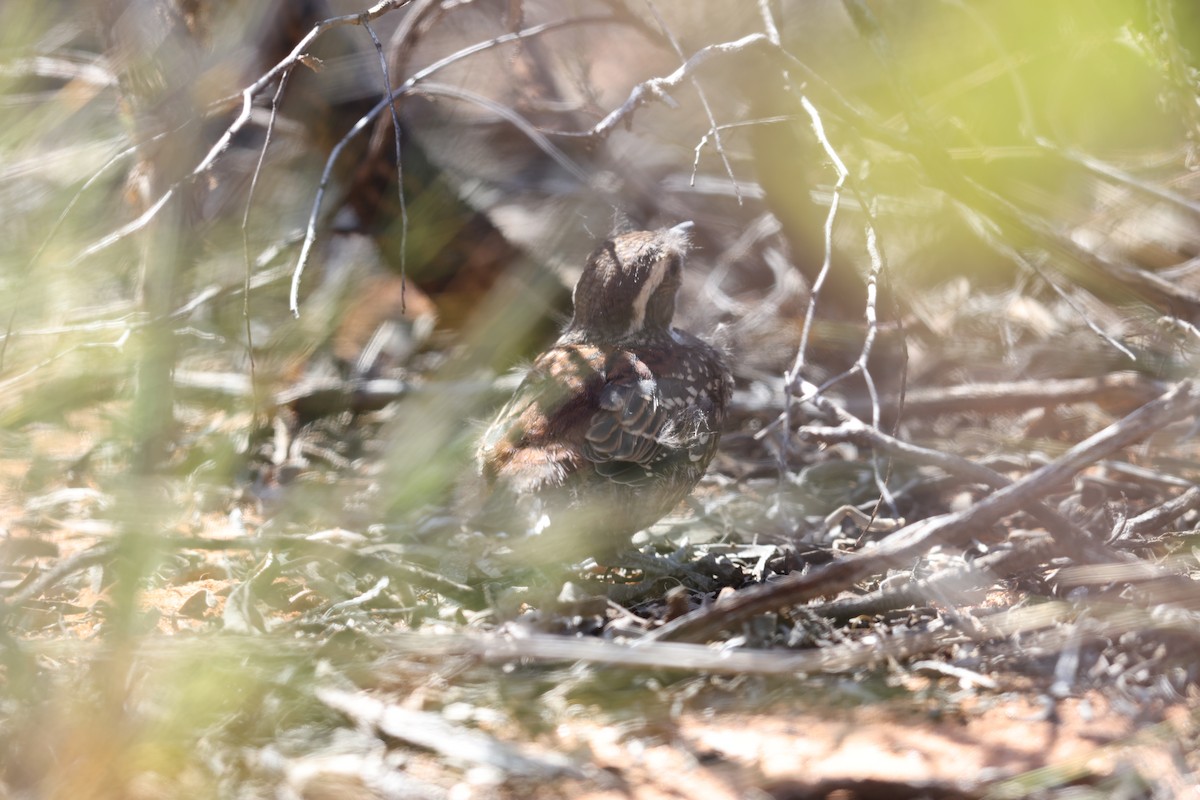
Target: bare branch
{"type": "Point", "coordinates": [659, 88]}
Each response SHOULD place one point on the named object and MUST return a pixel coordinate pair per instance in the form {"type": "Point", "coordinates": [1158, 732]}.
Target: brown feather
{"type": "Point", "coordinates": [614, 425]}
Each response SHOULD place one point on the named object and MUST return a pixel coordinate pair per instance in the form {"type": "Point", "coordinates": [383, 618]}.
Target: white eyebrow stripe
{"type": "Point", "coordinates": [657, 272]}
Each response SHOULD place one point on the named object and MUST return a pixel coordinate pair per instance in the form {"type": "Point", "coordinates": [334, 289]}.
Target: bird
{"type": "Point", "coordinates": [613, 425]}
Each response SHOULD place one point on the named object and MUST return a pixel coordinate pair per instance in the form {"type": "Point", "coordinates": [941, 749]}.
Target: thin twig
{"type": "Point", "coordinates": [793, 375]}
{"type": "Point", "coordinates": [262, 156]}
{"type": "Point", "coordinates": [710, 135]}
{"type": "Point", "coordinates": [61, 570]}
{"type": "Point", "coordinates": [391, 98]}
{"type": "Point", "coordinates": [129, 228]}
{"type": "Point", "coordinates": [658, 88]}
{"type": "Point", "coordinates": [352, 558]}
{"type": "Point", "coordinates": [536, 136]}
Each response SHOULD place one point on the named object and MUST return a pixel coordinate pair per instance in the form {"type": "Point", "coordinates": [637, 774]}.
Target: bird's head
{"type": "Point", "coordinates": [628, 286]}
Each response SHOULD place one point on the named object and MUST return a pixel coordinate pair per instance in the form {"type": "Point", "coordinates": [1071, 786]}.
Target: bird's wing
{"type": "Point", "coordinates": [631, 430]}
{"type": "Point", "coordinates": [534, 440]}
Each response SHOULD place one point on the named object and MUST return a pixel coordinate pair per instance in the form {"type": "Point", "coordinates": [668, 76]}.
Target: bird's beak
{"type": "Point", "coordinates": [678, 238]}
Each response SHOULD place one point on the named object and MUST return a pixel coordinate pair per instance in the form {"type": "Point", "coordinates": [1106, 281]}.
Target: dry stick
{"type": "Point", "coordinates": [127, 326]}
{"type": "Point", "coordinates": [286, 65]}
{"type": "Point", "coordinates": [499, 109]}
{"type": "Point", "coordinates": [1155, 584]}
{"type": "Point", "coordinates": [792, 378]}
{"type": "Point", "coordinates": [768, 20]}
{"type": "Point", "coordinates": [129, 228]}
{"type": "Point", "coordinates": [782, 288]}
{"type": "Point", "coordinates": [12, 384]}
{"type": "Point", "coordinates": [1181, 402]}
{"type": "Point", "coordinates": [1042, 621]}
{"type": "Point", "coordinates": [1116, 390]}
{"type": "Point", "coordinates": [878, 263]}
{"type": "Point", "coordinates": [989, 230]}
{"type": "Point", "coordinates": [877, 267]}
{"type": "Point", "coordinates": [990, 234]}
{"type": "Point", "coordinates": [136, 320]}
{"type": "Point", "coordinates": [747, 123]}
{"type": "Point", "coordinates": [133, 322]}
{"type": "Point", "coordinates": [128, 152]}
{"type": "Point", "coordinates": [248, 94]}
{"type": "Point", "coordinates": [1145, 475]}
{"type": "Point", "coordinates": [1098, 167]}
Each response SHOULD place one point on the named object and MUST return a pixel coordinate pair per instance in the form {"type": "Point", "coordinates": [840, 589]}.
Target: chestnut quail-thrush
{"type": "Point", "coordinates": [614, 424]}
